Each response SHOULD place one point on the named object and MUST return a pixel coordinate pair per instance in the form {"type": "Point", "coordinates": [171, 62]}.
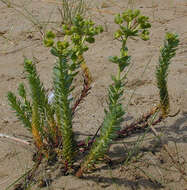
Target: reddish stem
{"type": "Point", "coordinates": [84, 93]}
{"type": "Point", "coordinates": [140, 124]}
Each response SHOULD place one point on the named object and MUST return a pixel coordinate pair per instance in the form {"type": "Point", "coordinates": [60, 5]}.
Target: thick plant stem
{"type": "Point", "coordinates": [85, 70]}
{"type": "Point", "coordinates": [140, 124]}
{"type": "Point", "coordinates": [56, 136]}
{"type": "Point", "coordinates": [35, 129]}
{"type": "Point", "coordinates": [84, 93]}
{"type": "Point", "coordinates": [62, 83]}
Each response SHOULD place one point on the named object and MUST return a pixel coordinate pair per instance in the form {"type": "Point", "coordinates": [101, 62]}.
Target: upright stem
{"type": "Point", "coordinates": [118, 74]}
{"type": "Point", "coordinates": [85, 70]}
{"type": "Point", "coordinates": [124, 40]}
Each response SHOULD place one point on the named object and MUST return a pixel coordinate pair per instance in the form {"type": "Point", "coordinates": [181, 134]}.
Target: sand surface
{"type": "Point", "coordinates": [19, 38]}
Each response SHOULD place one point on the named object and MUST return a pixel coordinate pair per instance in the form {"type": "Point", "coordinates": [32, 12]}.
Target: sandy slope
{"type": "Point", "coordinates": [18, 38]}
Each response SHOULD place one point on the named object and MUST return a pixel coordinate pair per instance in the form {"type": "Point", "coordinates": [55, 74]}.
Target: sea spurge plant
{"type": "Point", "coordinates": [64, 73]}
{"type": "Point", "coordinates": [110, 126]}
{"type": "Point", "coordinates": [167, 52]}
{"type": "Point", "coordinates": [114, 114]}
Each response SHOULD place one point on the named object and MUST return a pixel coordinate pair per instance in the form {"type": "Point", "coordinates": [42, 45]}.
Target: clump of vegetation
{"type": "Point", "coordinates": [51, 122]}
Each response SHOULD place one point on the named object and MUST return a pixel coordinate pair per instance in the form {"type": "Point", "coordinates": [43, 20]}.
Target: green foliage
{"type": "Point", "coordinates": [22, 106]}
{"type": "Point", "coordinates": [49, 39]}
{"type": "Point", "coordinates": [64, 74]}
{"type": "Point", "coordinates": [18, 107]}
{"type": "Point", "coordinates": [114, 114]}
{"type": "Point", "coordinates": [132, 23]}
{"type": "Point", "coordinates": [26, 105]}
{"type": "Point", "coordinates": [37, 90]}
{"type": "Point", "coordinates": [39, 96]}
{"type": "Point", "coordinates": [110, 126]}
{"type": "Point", "coordinates": [81, 32]}
{"type": "Point", "coordinates": [167, 52]}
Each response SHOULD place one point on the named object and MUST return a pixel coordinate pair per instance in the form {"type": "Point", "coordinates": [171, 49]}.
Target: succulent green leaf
{"type": "Point", "coordinates": [48, 42]}
{"type": "Point", "coordinates": [50, 35]}
{"type": "Point", "coordinates": [113, 59]}
{"type": "Point", "coordinates": [21, 90]}
{"type": "Point", "coordinates": [118, 19]}
{"type": "Point", "coordinates": [90, 39]}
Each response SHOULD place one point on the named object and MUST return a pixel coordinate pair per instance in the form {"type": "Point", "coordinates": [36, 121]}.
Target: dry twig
{"type": "Point", "coordinates": [14, 139]}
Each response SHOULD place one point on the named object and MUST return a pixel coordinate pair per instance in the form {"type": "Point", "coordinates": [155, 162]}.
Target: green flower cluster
{"type": "Point", "coordinates": [131, 24]}
{"type": "Point", "coordinates": [82, 31]}
{"type": "Point", "coordinates": [135, 25]}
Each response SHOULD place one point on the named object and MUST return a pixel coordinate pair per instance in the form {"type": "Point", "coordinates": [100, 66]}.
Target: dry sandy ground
{"type": "Point", "coordinates": [19, 38]}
